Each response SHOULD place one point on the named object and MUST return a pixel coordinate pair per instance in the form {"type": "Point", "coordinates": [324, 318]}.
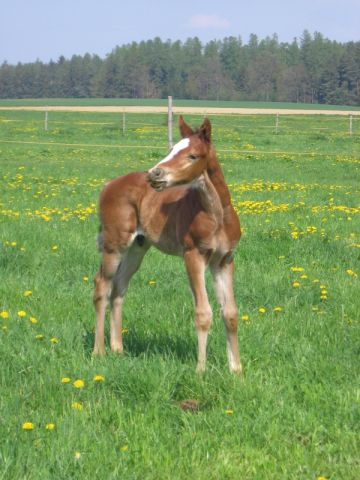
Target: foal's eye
{"type": "Point", "coordinates": [193, 157]}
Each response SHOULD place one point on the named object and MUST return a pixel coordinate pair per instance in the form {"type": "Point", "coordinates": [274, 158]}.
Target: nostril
{"type": "Point", "coordinates": [157, 172]}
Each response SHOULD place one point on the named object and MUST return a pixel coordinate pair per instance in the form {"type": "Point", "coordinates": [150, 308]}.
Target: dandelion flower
{"type": "Point", "coordinates": [54, 340]}
{"type": "Point", "coordinates": [77, 406]}
{"type": "Point", "coordinates": [79, 384]}
{"type": "Point", "coordinates": [33, 320]}
{"type": "Point", "coordinates": [124, 448]}
{"type": "Point", "coordinates": [262, 310]}
{"type": "Point", "coordinates": [245, 318]}
{"type": "Point", "coordinates": [152, 282]}
{"type": "Point", "coordinates": [77, 455]}
{"type": "Point", "coordinates": [28, 426]}
{"type": "Point", "coordinates": [296, 284]}
{"type": "Point", "coordinates": [40, 336]}
{"type": "Point", "coordinates": [27, 293]}
{"type": "Point", "coordinates": [55, 248]}
{"type": "Point", "coordinates": [4, 314]}
{"type": "Point", "coordinates": [50, 426]}
{"type": "Point", "coordinates": [229, 411]}
{"type": "Point", "coordinates": [21, 313]}
{"type": "Point", "coordinates": [65, 380]}
{"type": "Point", "coordinates": [351, 272]}
{"type": "Point", "coordinates": [125, 330]}
{"type": "Point", "coordinates": [98, 378]}
{"type": "Point", "coordinates": [85, 279]}
{"type": "Point", "coordinates": [277, 309]}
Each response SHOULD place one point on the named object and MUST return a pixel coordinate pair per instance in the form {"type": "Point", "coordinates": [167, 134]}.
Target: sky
{"type": "Point", "coordinates": [47, 29]}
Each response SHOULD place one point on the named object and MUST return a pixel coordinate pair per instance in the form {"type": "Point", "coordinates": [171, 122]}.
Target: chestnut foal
{"type": "Point", "coordinates": [182, 207]}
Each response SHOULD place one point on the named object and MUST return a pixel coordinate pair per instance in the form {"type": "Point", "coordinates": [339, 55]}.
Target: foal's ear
{"type": "Point", "coordinates": [185, 130]}
{"type": "Point", "coordinates": [205, 130]}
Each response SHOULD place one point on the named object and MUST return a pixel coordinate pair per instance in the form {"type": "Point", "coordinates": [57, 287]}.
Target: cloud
{"type": "Point", "coordinates": [208, 21]}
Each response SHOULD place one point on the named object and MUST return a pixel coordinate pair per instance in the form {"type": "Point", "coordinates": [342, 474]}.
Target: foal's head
{"type": "Point", "coordinates": [187, 159]}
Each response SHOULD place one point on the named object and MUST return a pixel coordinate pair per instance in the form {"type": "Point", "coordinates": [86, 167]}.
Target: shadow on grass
{"type": "Point", "coordinates": [137, 345]}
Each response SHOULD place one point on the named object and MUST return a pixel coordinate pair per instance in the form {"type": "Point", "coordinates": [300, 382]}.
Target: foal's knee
{"type": "Point", "coordinates": [203, 318]}
{"type": "Point", "coordinates": [231, 320]}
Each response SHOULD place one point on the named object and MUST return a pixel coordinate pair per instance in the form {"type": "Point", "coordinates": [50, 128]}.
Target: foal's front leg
{"type": "Point", "coordinates": [195, 266]}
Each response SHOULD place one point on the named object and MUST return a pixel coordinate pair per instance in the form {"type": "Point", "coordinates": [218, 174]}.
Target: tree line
{"type": "Point", "coordinates": [312, 69]}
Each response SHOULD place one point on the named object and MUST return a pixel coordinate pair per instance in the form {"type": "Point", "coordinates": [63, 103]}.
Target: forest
{"type": "Point", "coordinates": [312, 69]}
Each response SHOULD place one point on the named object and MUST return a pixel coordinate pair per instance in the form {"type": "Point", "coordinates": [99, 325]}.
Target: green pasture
{"type": "Point", "coordinates": [67, 415]}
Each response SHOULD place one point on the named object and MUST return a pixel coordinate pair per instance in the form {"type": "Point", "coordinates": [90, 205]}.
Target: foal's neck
{"type": "Point", "coordinates": [217, 179]}
{"type": "Point", "coordinates": [213, 191]}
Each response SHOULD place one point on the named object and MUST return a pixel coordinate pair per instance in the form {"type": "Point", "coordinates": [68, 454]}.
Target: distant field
{"type": "Point", "coordinates": [66, 415]}
{"type": "Point", "coordinates": [163, 102]}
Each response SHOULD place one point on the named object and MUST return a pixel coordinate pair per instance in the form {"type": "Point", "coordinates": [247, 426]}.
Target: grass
{"type": "Point", "coordinates": [295, 415]}
{"type": "Point", "coordinates": [163, 102]}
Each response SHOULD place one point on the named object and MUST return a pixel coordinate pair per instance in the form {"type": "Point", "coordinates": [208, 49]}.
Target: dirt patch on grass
{"type": "Point", "coordinates": [186, 110]}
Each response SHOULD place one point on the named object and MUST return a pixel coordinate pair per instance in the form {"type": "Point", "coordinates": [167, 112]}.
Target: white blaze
{"type": "Point", "coordinates": [184, 143]}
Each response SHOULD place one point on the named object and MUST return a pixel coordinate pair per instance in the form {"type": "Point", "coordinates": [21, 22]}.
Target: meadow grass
{"type": "Point", "coordinates": [294, 415]}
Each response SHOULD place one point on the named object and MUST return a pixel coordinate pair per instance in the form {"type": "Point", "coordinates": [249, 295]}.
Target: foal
{"type": "Point", "coordinates": [182, 207]}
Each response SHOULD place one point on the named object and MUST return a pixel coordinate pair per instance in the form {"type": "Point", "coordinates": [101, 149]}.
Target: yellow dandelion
{"type": "Point", "coordinates": [245, 318]}
{"type": "Point", "coordinates": [229, 411]}
{"type": "Point", "coordinates": [54, 340]}
{"type": "Point", "coordinates": [28, 426]}
{"type": "Point", "coordinates": [277, 309]}
{"type": "Point", "coordinates": [77, 406]}
{"type": "Point", "coordinates": [4, 314]}
{"type": "Point", "coordinates": [33, 320]}
{"type": "Point", "coordinates": [125, 330]}
{"type": "Point", "coordinates": [152, 282]}
{"type": "Point", "coordinates": [21, 313]}
{"type": "Point", "coordinates": [79, 384]}
{"type": "Point", "coordinates": [124, 448]}
{"type": "Point", "coordinates": [98, 378]}
{"type": "Point", "coordinates": [296, 284]}
{"type": "Point", "coordinates": [77, 455]}
{"type": "Point", "coordinates": [315, 309]}
{"type": "Point", "coordinates": [40, 336]}
{"type": "Point", "coordinates": [28, 293]}
{"type": "Point", "coordinates": [351, 272]}
{"type": "Point", "coordinates": [85, 279]}
{"type": "Point", "coordinates": [262, 310]}
{"type": "Point", "coordinates": [50, 426]}
{"type": "Point", "coordinates": [303, 277]}
{"type": "Point", "coordinates": [65, 380]}
{"type": "Point", "coordinates": [55, 248]}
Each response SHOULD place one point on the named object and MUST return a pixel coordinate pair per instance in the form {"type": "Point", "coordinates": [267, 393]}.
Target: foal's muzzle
{"type": "Point", "coordinates": [156, 179]}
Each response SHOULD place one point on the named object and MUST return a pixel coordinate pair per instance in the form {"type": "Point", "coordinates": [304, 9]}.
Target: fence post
{"type": "Point", "coordinates": [123, 123]}
{"type": "Point", "coordinates": [46, 121]}
{"type": "Point", "coordinates": [350, 126]}
{"type": "Point", "coordinates": [170, 122]}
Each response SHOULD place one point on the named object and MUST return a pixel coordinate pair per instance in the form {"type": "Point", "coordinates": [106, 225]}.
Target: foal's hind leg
{"type": "Point", "coordinates": [223, 283]}
{"type": "Point", "coordinates": [130, 263]}
{"type": "Point", "coordinates": [103, 284]}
